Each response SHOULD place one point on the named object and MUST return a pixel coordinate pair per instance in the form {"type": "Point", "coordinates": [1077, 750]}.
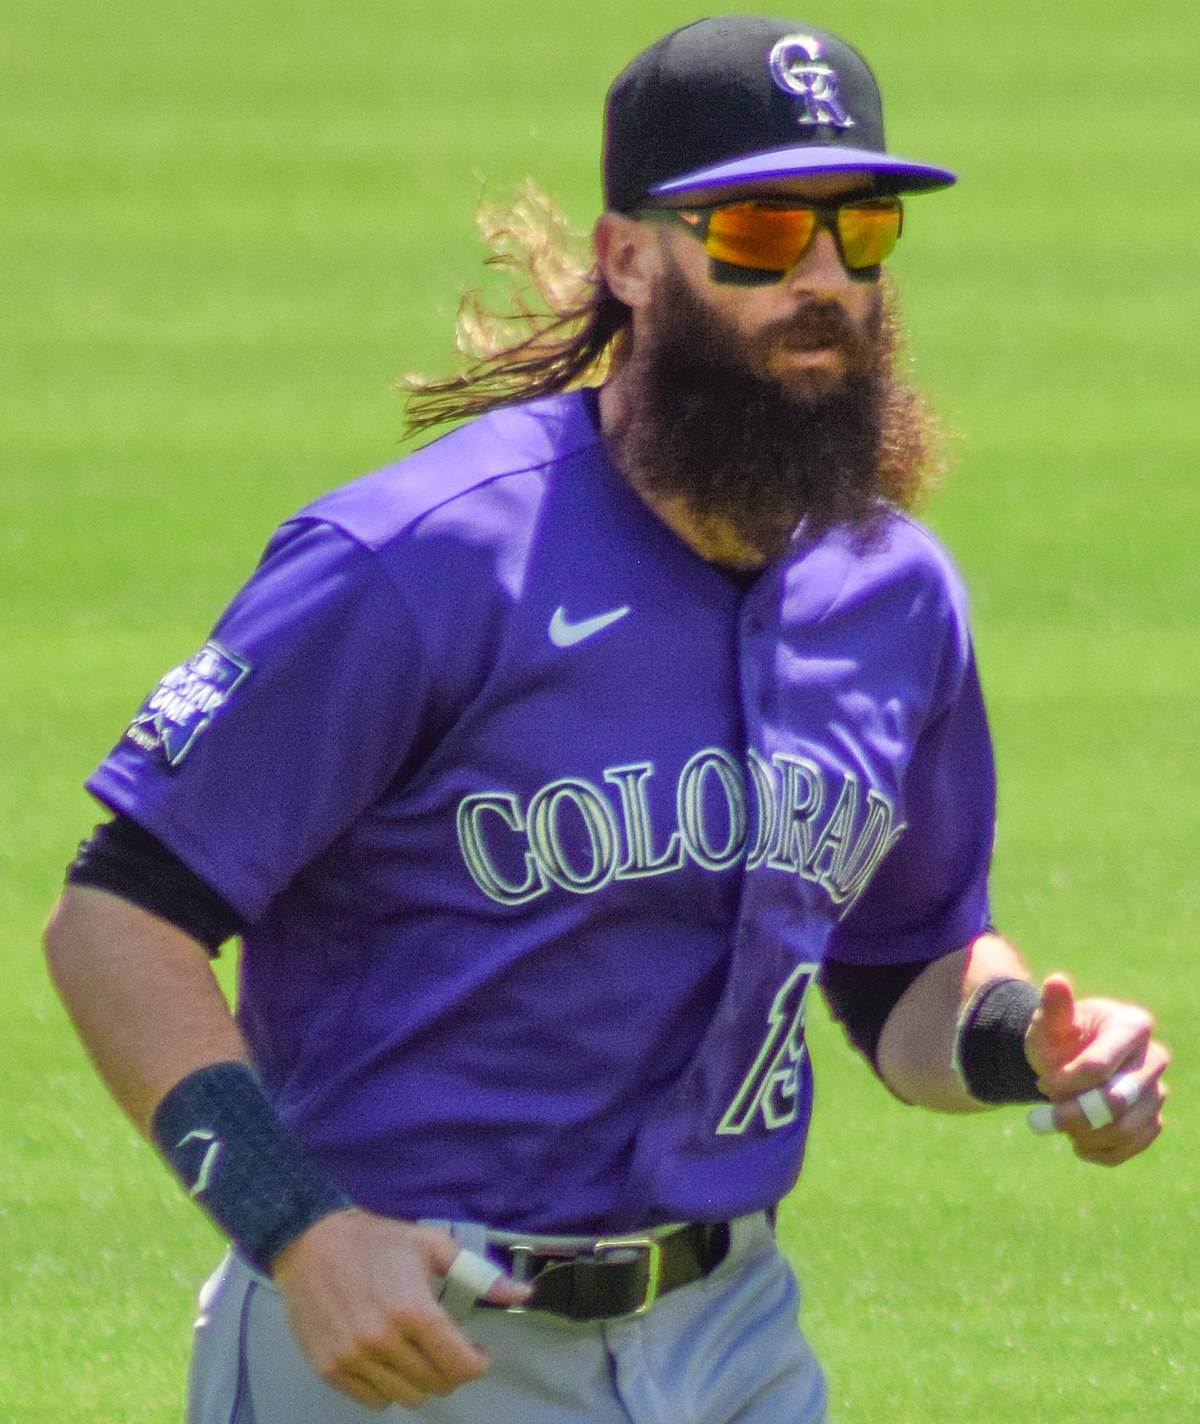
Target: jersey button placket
{"type": "Point", "coordinates": [752, 629]}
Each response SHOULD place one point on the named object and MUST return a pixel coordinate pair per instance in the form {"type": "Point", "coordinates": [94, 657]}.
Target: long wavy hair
{"type": "Point", "coordinates": [559, 331]}
{"type": "Point", "coordinates": [564, 328]}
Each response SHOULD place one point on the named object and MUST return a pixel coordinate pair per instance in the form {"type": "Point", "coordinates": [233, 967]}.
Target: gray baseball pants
{"type": "Point", "coordinates": [724, 1350]}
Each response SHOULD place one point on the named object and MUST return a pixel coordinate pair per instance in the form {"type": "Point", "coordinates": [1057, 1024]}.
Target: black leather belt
{"type": "Point", "coordinates": [623, 1275]}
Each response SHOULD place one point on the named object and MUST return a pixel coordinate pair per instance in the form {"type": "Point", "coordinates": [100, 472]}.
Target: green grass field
{"type": "Point", "coordinates": [225, 229]}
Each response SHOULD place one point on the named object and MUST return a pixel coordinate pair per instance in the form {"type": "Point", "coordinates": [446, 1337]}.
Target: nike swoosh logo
{"type": "Point", "coordinates": [208, 1165]}
{"type": "Point", "coordinates": [565, 633]}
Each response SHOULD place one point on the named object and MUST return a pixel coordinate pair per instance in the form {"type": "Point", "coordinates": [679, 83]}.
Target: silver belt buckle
{"type": "Point", "coordinates": [522, 1254]}
{"type": "Point", "coordinates": [653, 1250]}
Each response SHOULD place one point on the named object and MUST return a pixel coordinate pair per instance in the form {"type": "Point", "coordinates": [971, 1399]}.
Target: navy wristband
{"type": "Point", "coordinates": [226, 1143]}
{"type": "Point", "coordinates": [989, 1046]}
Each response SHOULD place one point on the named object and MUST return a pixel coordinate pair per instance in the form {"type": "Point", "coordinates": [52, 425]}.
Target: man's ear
{"type": "Point", "coordinates": [629, 257]}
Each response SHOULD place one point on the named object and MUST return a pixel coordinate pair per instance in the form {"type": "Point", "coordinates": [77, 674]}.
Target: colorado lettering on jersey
{"type": "Point", "coordinates": [789, 814]}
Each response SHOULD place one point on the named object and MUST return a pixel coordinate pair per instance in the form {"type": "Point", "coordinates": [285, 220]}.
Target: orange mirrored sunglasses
{"type": "Point", "coordinates": [761, 241]}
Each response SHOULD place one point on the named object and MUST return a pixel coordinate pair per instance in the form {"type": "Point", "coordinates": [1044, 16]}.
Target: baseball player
{"type": "Point", "coordinates": [542, 774]}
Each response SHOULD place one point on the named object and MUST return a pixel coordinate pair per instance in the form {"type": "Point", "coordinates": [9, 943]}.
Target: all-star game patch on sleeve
{"type": "Point", "coordinates": [185, 701]}
{"type": "Point", "coordinates": [252, 755]}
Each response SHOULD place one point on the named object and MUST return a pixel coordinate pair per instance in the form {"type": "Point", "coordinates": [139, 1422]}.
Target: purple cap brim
{"type": "Point", "coordinates": [902, 175]}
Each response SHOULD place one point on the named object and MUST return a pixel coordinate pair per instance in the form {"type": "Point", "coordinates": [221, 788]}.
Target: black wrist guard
{"type": "Point", "coordinates": [225, 1142]}
{"type": "Point", "coordinates": [989, 1047]}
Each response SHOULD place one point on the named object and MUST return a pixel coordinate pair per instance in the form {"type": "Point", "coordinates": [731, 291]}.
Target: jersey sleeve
{"type": "Point", "coordinates": [930, 895]}
{"type": "Point", "coordinates": [253, 755]}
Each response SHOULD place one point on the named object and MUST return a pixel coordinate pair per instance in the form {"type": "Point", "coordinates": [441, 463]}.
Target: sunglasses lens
{"type": "Point", "coordinates": [750, 235]}
{"type": "Point", "coordinates": [868, 232]}
{"type": "Point", "coordinates": [766, 238]}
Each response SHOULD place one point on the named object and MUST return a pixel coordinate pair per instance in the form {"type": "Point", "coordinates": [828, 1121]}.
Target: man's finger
{"type": "Point", "coordinates": [403, 1370]}
{"type": "Point", "coordinates": [449, 1351]}
{"type": "Point", "coordinates": [360, 1388]}
{"type": "Point", "coordinates": [1098, 1107]}
{"type": "Point", "coordinates": [474, 1273]}
{"type": "Point", "coordinates": [1055, 1034]}
{"type": "Point", "coordinates": [1104, 1105]}
{"type": "Point", "coordinates": [1054, 1026]}
{"type": "Point", "coordinates": [1118, 1039]}
{"type": "Point", "coordinates": [485, 1280]}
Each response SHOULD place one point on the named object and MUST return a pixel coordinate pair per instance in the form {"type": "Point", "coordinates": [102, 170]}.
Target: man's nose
{"type": "Point", "coordinates": [820, 268]}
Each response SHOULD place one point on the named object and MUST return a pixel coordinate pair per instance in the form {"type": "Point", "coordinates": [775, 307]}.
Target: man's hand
{"type": "Point", "coordinates": [360, 1301]}
{"type": "Point", "coordinates": [1105, 1053]}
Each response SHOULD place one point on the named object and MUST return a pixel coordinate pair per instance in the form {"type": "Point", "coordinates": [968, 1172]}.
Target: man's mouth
{"type": "Point", "coordinates": [815, 330]}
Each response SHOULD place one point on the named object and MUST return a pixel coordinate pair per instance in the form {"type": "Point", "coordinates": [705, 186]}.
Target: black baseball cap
{"type": "Point", "coordinates": [740, 98]}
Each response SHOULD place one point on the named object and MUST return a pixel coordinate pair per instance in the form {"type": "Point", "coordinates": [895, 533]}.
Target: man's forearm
{"type": "Point", "coordinates": [916, 1048]}
{"type": "Point", "coordinates": [141, 994]}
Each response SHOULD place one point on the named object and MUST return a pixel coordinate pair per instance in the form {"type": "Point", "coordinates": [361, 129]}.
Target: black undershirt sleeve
{"type": "Point", "coordinates": [123, 859]}
{"type": "Point", "coordinates": [861, 996]}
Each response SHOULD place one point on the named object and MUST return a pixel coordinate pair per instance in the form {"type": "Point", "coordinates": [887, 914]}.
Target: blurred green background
{"type": "Point", "coordinates": [226, 229]}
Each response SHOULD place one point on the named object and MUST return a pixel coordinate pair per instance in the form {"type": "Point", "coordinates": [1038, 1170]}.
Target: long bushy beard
{"type": "Point", "coordinates": [704, 420]}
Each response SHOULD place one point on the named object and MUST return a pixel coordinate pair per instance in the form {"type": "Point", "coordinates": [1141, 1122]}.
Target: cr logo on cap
{"type": "Point", "coordinates": [797, 68]}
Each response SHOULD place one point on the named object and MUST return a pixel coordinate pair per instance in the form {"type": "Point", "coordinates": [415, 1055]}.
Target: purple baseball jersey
{"type": "Point", "coordinates": [542, 825]}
